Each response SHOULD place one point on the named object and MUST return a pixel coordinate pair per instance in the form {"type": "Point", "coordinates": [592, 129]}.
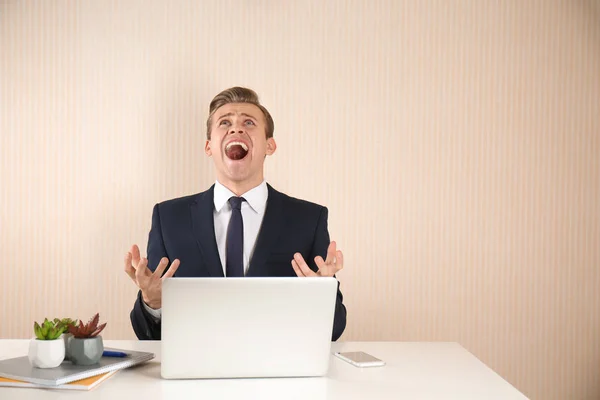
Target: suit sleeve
{"type": "Point", "coordinates": [145, 325]}
{"type": "Point", "coordinates": [320, 245]}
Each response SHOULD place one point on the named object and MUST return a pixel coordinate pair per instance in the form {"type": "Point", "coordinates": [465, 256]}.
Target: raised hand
{"type": "Point", "coordinates": [150, 283]}
{"type": "Point", "coordinates": [332, 265]}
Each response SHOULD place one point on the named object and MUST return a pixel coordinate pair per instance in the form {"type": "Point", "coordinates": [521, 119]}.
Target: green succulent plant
{"type": "Point", "coordinates": [65, 322]}
{"type": "Point", "coordinates": [48, 330]}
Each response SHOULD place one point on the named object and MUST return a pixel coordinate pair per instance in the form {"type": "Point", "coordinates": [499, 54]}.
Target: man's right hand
{"type": "Point", "coordinates": [150, 283]}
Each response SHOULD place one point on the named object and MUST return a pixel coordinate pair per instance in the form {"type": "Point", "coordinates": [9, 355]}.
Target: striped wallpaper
{"type": "Point", "coordinates": [456, 144]}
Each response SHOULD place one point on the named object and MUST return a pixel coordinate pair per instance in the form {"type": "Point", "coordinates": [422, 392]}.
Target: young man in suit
{"type": "Point", "coordinates": [240, 226]}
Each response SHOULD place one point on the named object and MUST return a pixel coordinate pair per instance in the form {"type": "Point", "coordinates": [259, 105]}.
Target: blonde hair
{"type": "Point", "coordinates": [238, 95]}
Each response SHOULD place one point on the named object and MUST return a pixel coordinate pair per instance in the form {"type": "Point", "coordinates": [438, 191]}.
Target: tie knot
{"type": "Point", "coordinates": [236, 202]}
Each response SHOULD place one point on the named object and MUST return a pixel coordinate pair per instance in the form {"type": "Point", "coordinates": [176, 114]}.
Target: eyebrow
{"type": "Point", "coordinates": [229, 114]}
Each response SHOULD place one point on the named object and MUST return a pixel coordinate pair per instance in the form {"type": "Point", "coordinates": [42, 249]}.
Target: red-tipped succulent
{"type": "Point", "coordinates": [89, 330]}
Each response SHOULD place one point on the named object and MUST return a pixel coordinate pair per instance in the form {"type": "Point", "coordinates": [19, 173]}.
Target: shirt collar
{"type": "Point", "coordinates": [255, 197]}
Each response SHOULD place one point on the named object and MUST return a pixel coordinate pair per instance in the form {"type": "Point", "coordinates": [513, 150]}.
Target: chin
{"type": "Point", "coordinates": [237, 177]}
{"type": "Point", "coordinates": [238, 172]}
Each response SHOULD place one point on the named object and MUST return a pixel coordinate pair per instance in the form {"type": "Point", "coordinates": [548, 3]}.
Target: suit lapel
{"type": "Point", "coordinates": [204, 230]}
{"type": "Point", "coordinates": [269, 232]}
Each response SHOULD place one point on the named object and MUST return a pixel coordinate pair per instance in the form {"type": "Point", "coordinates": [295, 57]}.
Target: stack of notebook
{"type": "Point", "coordinates": [18, 372]}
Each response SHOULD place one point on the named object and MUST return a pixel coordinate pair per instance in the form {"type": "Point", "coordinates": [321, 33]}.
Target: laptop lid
{"type": "Point", "coordinates": [246, 327]}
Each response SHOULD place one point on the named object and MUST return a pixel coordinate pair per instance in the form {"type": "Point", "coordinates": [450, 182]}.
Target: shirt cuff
{"type": "Point", "coordinates": [155, 313]}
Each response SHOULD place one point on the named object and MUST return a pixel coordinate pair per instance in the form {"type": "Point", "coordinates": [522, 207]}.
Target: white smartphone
{"type": "Point", "coordinates": [360, 359]}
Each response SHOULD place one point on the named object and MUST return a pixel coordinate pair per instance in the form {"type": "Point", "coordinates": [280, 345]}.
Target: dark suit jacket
{"type": "Point", "coordinates": [183, 229]}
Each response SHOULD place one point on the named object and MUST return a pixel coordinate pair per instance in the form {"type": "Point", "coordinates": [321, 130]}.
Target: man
{"type": "Point", "coordinates": [240, 226]}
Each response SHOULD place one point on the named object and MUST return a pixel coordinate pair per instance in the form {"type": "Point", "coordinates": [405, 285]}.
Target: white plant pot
{"type": "Point", "coordinates": [46, 353]}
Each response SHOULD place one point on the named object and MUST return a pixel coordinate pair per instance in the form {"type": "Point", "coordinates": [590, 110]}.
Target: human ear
{"type": "Point", "coordinates": [271, 146]}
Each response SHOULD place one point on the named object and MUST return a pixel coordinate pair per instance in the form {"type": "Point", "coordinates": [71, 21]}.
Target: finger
{"type": "Point", "coordinates": [339, 260]}
{"type": "Point", "coordinates": [303, 266]}
{"type": "Point", "coordinates": [324, 268]}
{"type": "Point", "coordinates": [172, 269]}
{"type": "Point", "coordinates": [135, 253]}
{"type": "Point", "coordinates": [141, 272]}
{"type": "Point", "coordinates": [297, 269]}
{"type": "Point", "coordinates": [129, 268]}
{"type": "Point", "coordinates": [321, 264]}
{"type": "Point", "coordinates": [160, 268]}
{"type": "Point", "coordinates": [330, 253]}
{"type": "Point", "coordinates": [329, 269]}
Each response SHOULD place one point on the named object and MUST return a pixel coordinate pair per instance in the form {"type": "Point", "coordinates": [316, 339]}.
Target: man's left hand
{"type": "Point", "coordinates": [329, 267]}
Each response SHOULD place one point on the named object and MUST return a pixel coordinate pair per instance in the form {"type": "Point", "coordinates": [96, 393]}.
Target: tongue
{"type": "Point", "coordinates": [236, 152]}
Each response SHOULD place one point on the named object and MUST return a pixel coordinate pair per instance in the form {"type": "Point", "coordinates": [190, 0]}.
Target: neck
{"type": "Point", "coordinates": [240, 187]}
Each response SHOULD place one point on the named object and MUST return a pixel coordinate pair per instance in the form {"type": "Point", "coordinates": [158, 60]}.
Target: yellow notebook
{"type": "Point", "coordinates": [82, 384]}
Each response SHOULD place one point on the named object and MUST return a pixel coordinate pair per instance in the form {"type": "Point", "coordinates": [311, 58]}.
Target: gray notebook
{"type": "Point", "coordinates": [20, 368]}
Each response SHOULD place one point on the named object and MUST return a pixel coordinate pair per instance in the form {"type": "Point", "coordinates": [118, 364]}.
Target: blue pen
{"type": "Point", "coordinates": [107, 353]}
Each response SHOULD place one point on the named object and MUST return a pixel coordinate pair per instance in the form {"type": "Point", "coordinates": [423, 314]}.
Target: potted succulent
{"type": "Point", "coordinates": [85, 347]}
{"type": "Point", "coordinates": [65, 322]}
{"type": "Point", "coordinates": [47, 348]}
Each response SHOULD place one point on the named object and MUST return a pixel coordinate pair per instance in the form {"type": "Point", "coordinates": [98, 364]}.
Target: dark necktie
{"type": "Point", "coordinates": [235, 240]}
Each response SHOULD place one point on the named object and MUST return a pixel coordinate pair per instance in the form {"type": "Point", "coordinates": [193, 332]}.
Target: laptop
{"type": "Point", "coordinates": [253, 327]}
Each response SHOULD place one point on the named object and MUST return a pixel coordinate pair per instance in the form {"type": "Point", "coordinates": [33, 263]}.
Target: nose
{"type": "Point", "coordinates": [234, 129]}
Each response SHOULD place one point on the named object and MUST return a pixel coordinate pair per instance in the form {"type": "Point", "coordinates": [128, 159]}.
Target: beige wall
{"type": "Point", "coordinates": [455, 143]}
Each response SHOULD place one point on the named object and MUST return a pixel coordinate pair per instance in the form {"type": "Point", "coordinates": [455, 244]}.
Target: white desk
{"type": "Point", "coordinates": [413, 371]}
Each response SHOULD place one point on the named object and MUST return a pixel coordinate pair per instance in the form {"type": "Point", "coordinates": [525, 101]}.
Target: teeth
{"type": "Point", "coordinates": [238, 143]}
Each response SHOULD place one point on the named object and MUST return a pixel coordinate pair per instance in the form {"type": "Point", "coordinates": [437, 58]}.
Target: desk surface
{"type": "Point", "coordinates": [414, 371]}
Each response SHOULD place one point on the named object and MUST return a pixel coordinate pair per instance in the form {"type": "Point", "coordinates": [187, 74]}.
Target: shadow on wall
{"type": "Point", "coordinates": [179, 112]}
{"type": "Point", "coordinates": [171, 135]}
{"type": "Point", "coordinates": [592, 8]}
{"type": "Point", "coordinates": [589, 16]}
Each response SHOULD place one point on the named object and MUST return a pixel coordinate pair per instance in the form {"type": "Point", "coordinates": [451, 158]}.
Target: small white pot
{"type": "Point", "coordinates": [46, 353]}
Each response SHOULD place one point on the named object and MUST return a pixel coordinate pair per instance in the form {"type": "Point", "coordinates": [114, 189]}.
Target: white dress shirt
{"type": "Point", "coordinates": [253, 211]}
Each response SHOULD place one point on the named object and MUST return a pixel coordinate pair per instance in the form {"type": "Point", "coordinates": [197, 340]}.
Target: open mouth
{"type": "Point", "coordinates": [236, 150]}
